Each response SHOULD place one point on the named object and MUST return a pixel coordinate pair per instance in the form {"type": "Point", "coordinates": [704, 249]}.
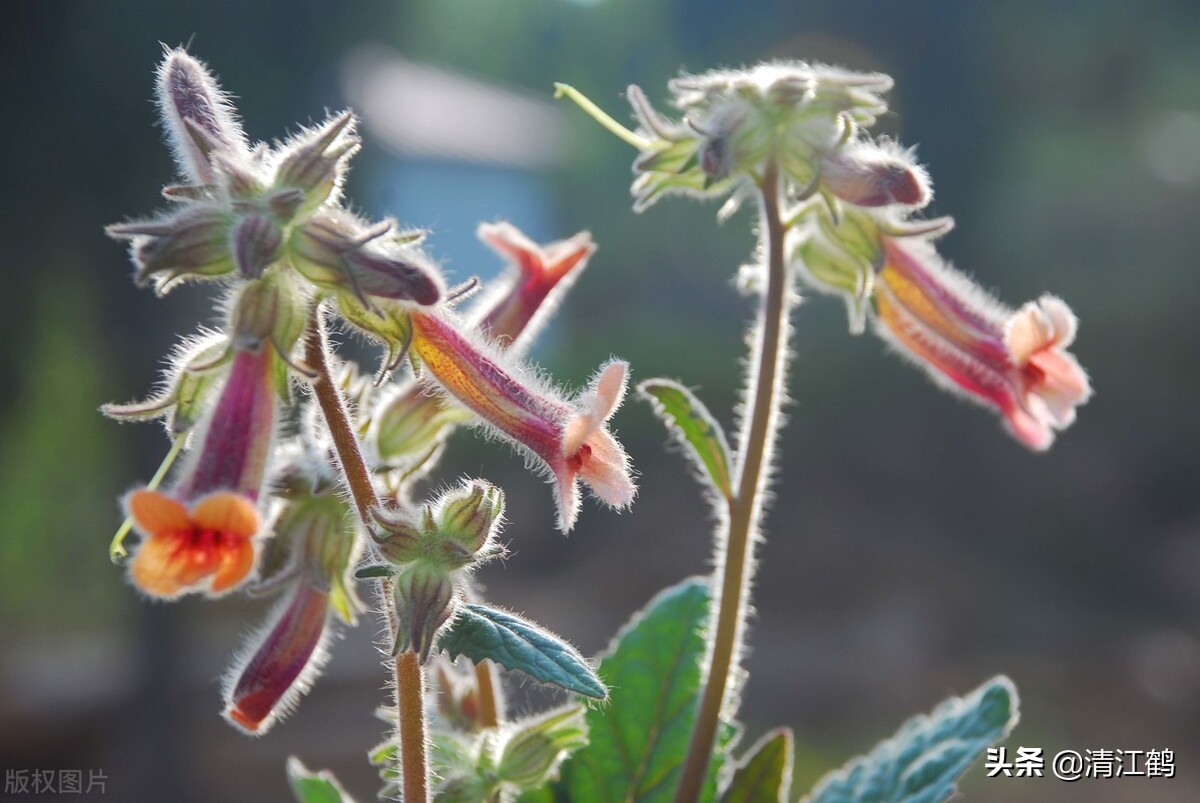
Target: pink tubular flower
{"type": "Point", "coordinates": [1015, 362]}
{"type": "Point", "coordinates": [543, 273]}
{"type": "Point", "coordinates": [284, 663]}
{"type": "Point", "coordinates": [571, 440]}
{"type": "Point", "coordinates": [197, 536]}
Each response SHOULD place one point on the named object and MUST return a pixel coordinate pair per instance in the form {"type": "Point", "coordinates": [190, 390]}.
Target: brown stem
{"type": "Point", "coordinates": [408, 674]}
{"type": "Point", "coordinates": [735, 560]}
{"type": "Point", "coordinates": [485, 681]}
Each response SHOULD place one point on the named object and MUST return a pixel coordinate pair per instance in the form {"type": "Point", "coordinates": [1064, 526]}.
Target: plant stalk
{"type": "Point", "coordinates": [409, 676]}
{"type": "Point", "coordinates": [735, 565]}
{"type": "Point", "coordinates": [489, 707]}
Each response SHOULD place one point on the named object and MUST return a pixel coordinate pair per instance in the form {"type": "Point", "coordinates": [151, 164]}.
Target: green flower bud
{"type": "Point", "coordinates": [471, 515]}
{"type": "Point", "coordinates": [425, 599]}
{"type": "Point", "coordinates": [531, 755]}
{"type": "Point", "coordinates": [193, 243]}
{"type": "Point", "coordinates": [315, 162]}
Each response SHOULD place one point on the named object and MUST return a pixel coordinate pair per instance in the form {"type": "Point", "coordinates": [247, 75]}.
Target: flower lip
{"type": "Point", "coordinates": [1014, 362]}
{"type": "Point", "coordinates": [205, 547]}
{"type": "Point", "coordinates": [543, 273]}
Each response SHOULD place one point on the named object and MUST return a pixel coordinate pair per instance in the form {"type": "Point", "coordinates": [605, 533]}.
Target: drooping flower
{"type": "Point", "coordinates": [314, 546]}
{"type": "Point", "coordinates": [1015, 362]}
{"type": "Point", "coordinates": [197, 537]}
{"type": "Point", "coordinates": [570, 440]}
{"type": "Point", "coordinates": [289, 654]}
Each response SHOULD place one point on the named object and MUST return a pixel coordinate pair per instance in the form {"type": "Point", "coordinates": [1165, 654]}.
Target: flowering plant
{"type": "Point", "coordinates": [301, 476]}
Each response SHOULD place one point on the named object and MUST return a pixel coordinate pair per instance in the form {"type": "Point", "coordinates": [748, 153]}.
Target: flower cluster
{"type": "Point", "coordinates": [851, 209]}
{"type": "Point", "coordinates": [258, 502]}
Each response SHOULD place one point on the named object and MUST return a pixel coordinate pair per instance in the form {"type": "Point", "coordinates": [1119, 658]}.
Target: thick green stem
{"type": "Point", "coordinates": [735, 551]}
{"type": "Point", "coordinates": [409, 676]}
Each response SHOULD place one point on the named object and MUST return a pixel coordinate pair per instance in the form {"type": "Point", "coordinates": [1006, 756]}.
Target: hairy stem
{"type": "Point", "coordinates": [409, 677]}
{"type": "Point", "coordinates": [735, 551]}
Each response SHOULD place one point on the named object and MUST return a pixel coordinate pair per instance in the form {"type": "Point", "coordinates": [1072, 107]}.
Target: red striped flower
{"type": "Point", "coordinates": [569, 439]}
{"type": "Point", "coordinates": [1013, 361]}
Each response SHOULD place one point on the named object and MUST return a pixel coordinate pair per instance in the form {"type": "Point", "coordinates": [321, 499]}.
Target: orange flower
{"type": "Point", "coordinates": [184, 548]}
{"type": "Point", "coordinates": [202, 527]}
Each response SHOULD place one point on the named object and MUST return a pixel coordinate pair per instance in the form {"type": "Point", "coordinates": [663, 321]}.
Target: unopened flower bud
{"type": "Point", "coordinates": [425, 600]}
{"type": "Point", "coordinates": [192, 243]}
{"type": "Point", "coordinates": [334, 251]}
{"type": "Point", "coordinates": [471, 514]}
{"type": "Point", "coordinates": [531, 755]}
{"type": "Point", "coordinates": [872, 175]}
{"type": "Point", "coordinates": [269, 310]}
{"type": "Point", "coordinates": [315, 162]}
{"type": "Point", "coordinates": [398, 538]}
{"type": "Point", "coordinates": [256, 242]}
{"type": "Point", "coordinates": [288, 656]}
{"type": "Point", "coordinates": [197, 115]}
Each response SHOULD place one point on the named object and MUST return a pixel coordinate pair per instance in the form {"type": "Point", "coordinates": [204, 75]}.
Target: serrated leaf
{"type": "Point", "coordinates": [314, 787]}
{"type": "Point", "coordinates": [764, 775]}
{"type": "Point", "coordinates": [637, 744]}
{"type": "Point", "coordinates": [694, 426]}
{"type": "Point", "coordinates": [922, 761]}
{"type": "Point", "coordinates": [480, 632]}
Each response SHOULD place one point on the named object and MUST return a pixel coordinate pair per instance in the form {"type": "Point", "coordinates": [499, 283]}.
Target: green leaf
{"type": "Point", "coordinates": [637, 744]}
{"type": "Point", "coordinates": [922, 761]}
{"type": "Point", "coordinates": [314, 787]}
{"type": "Point", "coordinates": [694, 426]}
{"type": "Point", "coordinates": [480, 632]}
{"type": "Point", "coordinates": [764, 775]}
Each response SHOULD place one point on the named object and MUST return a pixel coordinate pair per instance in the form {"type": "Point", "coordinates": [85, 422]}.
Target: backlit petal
{"type": "Point", "coordinates": [155, 513]}
{"type": "Point", "coordinates": [227, 513]}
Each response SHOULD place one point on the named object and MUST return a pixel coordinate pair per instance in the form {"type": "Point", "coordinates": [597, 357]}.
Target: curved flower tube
{"type": "Point", "coordinates": [1015, 362]}
{"type": "Point", "coordinates": [570, 440]}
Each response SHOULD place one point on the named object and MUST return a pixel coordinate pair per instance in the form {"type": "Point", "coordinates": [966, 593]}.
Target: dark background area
{"type": "Point", "coordinates": [913, 549]}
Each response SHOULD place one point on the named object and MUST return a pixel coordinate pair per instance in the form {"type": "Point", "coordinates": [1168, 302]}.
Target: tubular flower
{"type": "Point", "coordinates": [1015, 362]}
{"type": "Point", "coordinates": [198, 536]}
{"type": "Point", "coordinates": [543, 274]}
{"type": "Point", "coordinates": [280, 669]}
{"type": "Point", "coordinates": [413, 420]}
{"type": "Point", "coordinates": [569, 439]}
{"type": "Point", "coordinates": [315, 543]}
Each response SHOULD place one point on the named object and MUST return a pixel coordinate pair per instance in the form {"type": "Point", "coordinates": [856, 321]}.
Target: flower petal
{"type": "Point", "coordinates": [227, 513]}
{"type": "Point", "coordinates": [156, 568]}
{"type": "Point", "coordinates": [236, 561]}
{"type": "Point", "coordinates": [155, 513]}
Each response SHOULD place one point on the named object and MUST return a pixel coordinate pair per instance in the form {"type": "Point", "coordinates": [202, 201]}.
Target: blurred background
{"type": "Point", "coordinates": [913, 549]}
